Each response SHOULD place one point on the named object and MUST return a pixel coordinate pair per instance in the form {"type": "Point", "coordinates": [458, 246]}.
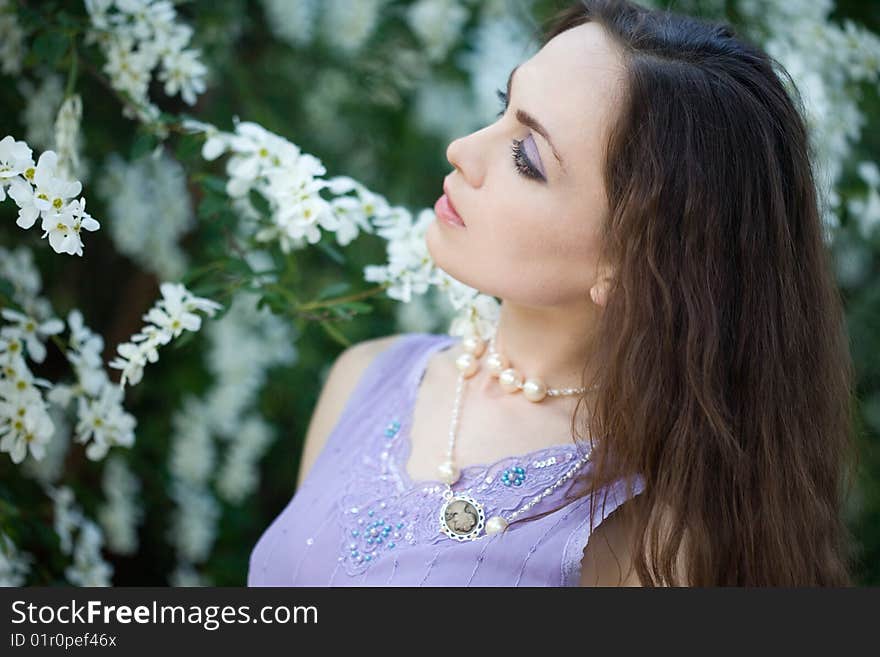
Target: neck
{"type": "Point", "coordinates": [548, 343]}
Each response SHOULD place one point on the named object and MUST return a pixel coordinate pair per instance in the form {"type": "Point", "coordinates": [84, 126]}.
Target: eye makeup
{"type": "Point", "coordinates": [526, 158]}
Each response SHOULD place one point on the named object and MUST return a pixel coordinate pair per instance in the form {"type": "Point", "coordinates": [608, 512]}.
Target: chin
{"type": "Point", "coordinates": [447, 257]}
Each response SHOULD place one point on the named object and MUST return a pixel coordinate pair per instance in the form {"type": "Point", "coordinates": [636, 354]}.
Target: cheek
{"type": "Point", "coordinates": [537, 254]}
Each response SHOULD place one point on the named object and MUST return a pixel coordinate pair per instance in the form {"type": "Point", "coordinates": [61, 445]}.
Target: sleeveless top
{"type": "Point", "coordinates": [358, 520]}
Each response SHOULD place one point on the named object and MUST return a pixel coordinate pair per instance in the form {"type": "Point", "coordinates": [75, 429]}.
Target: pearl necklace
{"type": "Point", "coordinates": [461, 516]}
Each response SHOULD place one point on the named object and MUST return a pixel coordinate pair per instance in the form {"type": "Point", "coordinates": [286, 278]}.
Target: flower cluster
{"type": "Point", "coordinates": [88, 568]}
{"type": "Point", "coordinates": [102, 422]}
{"type": "Point", "coordinates": [14, 564]}
{"type": "Point", "coordinates": [169, 317]}
{"type": "Point", "coordinates": [827, 61]}
{"type": "Point", "coordinates": [243, 345]}
{"type": "Point", "coordinates": [42, 102]}
{"type": "Point", "coordinates": [438, 25]}
{"type": "Point", "coordinates": [138, 36]}
{"type": "Point", "coordinates": [291, 183]}
{"type": "Point", "coordinates": [866, 210]}
{"type": "Point", "coordinates": [121, 513]}
{"type": "Point", "coordinates": [68, 142]}
{"type": "Point", "coordinates": [11, 40]}
{"type": "Point", "coordinates": [25, 425]}
{"type": "Point", "coordinates": [410, 271]}
{"type": "Point", "coordinates": [148, 210]}
{"type": "Point", "coordinates": [44, 191]}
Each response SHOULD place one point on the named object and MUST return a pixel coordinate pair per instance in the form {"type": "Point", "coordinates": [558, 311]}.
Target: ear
{"type": "Point", "coordinates": [602, 285]}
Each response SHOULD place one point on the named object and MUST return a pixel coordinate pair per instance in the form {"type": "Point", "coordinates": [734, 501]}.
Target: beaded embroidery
{"type": "Point", "coordinates": [382, 512]}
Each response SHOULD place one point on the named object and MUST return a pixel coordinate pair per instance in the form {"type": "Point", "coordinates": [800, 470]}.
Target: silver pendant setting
{"type": "Point", "coordinates": [462, 517]}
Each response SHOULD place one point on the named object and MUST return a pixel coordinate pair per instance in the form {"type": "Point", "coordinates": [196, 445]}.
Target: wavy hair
{"type": "Point", "coordinates": [722, 356]}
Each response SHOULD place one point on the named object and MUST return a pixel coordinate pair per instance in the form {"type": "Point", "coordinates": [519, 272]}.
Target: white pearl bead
{"type": "Point", "coordinates": [474, 344]}
{"type": "Point", "coordinates": [534, 390]}
{"type": "Point", "coordinates": [510, 380]}
{"type": "Point", "coordinates": [449, 474]}
{"type": "Point", "coordinates": [496, 363]}
{"type": "Point", "coordinates": [467, 365]}
{"type": "Point", "coordinates": [495, 525]}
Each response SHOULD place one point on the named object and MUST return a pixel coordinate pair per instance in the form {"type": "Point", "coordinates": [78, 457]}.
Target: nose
{"type": "Point", "coordinates": [467, 155]}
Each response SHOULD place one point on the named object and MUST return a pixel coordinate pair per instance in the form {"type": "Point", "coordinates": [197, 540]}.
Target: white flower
{"type": "Point", "coordinates": [15, 158]}
{"type": "Point", "coordinates": [64, 227]}
{"type": "Point", "coordinates": [170, 315]}
{"type": "Point", "coordinates": [183, 72]}
{"type": "Point", "coordinates": [238, 476]}
{"type": "Point", "coordinates": [184, 575]}
{"type": "Point", "coordinates": [194, 523]}
{"type": "Point", "coordinates": [150, 209]}
{"type": "Point", "coordinates": [11, 40]}
{"type": "Point", "coordinates": [104, 421]}
{"type": "Point", "coordinates": [33, 332]}
{"type": "Point", "coordinates": [14, 564]}
{"type": "Point", "coordinates": [216, 142]}
{"type": "Point", "coordinates": [89, 568]}
{"type": "Point", "coordinates": [52, 190]}
{"type": "Point", "coordinates": [68, 517]}
{"type": "Point", "coordinates": [348, 25]}
{"type": "Point", "coordinates": [18, 268]}
{"type": "Point", "coordinates": [292, 20]}
{"type": "Point", "coordinates": [121, 513]}
{"type": "Point", "coordinates": [192, 447]}
{"type": "Point", "coordinates": [48, 469]}
{"type": "Point", "coordinates": [135, 36]}
{"type": "Point", "coordinates": [256, 151]}
{"type": "Point", "coordinates": [24, 424]}
{"type": "Point", "coordinates": [131, 361]}
{"type": "Point", "coordinates": [67, 137]}
{"type": "Point", "coordinates": [438, 24]}
{"type": "Point", "coordinates": [42, 102]}
{"type": "Point", "coordinates": [49, 195]}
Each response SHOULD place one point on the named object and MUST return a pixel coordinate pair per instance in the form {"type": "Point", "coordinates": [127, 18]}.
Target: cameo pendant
{"type": "Point", "coordinates": [462, 517]}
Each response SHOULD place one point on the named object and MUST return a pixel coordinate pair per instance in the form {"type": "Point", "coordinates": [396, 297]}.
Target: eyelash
{"type": "Point", "coordinates": [520, 161]}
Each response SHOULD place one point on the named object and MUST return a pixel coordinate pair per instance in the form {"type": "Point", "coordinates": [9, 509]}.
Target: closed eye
{"type": "Point", "coordinates": [521, 161]}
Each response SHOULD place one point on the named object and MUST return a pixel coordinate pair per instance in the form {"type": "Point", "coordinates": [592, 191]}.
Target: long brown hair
{"type": "Point", "coordinates": [722, 356]}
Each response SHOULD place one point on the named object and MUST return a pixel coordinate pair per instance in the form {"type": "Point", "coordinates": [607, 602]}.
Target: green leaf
{"type": "Point", "coordinates": [359, 307]}
{"type": "Point", "coordinates": [212, 205]}
{"type": "Point", "coordinates": [188, 146]}
{"type": "Point", "coordinates": [260, 203]}
{"type": "Point", "coordinates": [335, 333]}
{"type": "Point", "coordinates": [331, 251]}
{"type": "Point", "coordinates": [144, 142]}
{"type": "Point", "coordinates": [50, 47]}
{"type": "Point", "coordinates": [184, 338]}
{"type": "Point", "coordinates": [215, 183]}
{"type": "Point", "coordinates": [7, 289]}
{"type": "Point", "coordinates": [334, 289]}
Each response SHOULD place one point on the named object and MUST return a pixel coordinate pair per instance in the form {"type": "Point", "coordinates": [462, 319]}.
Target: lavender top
{"type": "Point", "coordinates": [358, 520]}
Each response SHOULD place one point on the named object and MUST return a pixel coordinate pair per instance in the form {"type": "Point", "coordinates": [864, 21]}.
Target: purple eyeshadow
{"type": "Point", "coordinates": [531, 150]}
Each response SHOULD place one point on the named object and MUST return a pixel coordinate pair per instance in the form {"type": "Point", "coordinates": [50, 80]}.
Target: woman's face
{"type": "Point", "coordinates": [532, 222]}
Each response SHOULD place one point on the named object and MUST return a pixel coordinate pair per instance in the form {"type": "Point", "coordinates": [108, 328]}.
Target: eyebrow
{"type": "Point", "coordinates": [528, 120]}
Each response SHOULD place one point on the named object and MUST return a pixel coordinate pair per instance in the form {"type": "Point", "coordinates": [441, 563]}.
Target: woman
{"type": "Point", "coordinates": [645, 209]}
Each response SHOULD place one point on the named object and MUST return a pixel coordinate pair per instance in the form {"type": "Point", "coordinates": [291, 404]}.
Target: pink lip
{"type": "Point", "coordinates": [444, 209]}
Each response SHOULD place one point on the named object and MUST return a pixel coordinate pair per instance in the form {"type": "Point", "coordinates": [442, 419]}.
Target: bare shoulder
{"type": "Point", "coordinates": [608, 555]}
{"type": "Point", "coordinates": [339, 383]}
